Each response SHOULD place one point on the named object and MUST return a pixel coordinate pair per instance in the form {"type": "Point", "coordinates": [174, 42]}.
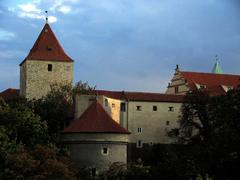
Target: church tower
{"type": "Point", "coordinates": [46, 64]}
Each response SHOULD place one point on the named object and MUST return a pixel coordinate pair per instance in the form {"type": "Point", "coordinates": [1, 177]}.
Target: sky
{"type": "Point", "coordinates": [122, 44]}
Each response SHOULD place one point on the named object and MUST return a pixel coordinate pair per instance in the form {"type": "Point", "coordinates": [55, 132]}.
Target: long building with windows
{"type": "Point", "coordinates": [110, 126]}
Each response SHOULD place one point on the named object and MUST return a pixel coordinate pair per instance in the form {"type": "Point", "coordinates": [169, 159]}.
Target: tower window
{"type": "Point", "coordinates": [167, 123]}
{"type": "Point", "coordinates": [49, 67]}
{"type": "Point", "coordinates": [170, 108]}
{"type": "Point", "coordinates": [105, 151]}
{"type": "Point", "coordinates": [139, 144]}
{"type": "Point", "coordinates": [154, 108]}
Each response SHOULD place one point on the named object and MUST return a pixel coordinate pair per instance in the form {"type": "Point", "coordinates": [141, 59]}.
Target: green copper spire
{"type": "Point", "coordinates": [217, 68]}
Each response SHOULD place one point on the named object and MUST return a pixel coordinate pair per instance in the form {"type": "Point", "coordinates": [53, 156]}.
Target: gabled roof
{"type": "Point", "coordinates": [95, 120]}
{"type": "Point", "coordinates": [211, 81]}
{"type": "Point", "coordinates": [9, 94]}
{"type": "Point", "coordinates": [140, 96]}
{"type": "Point", "coordinates": [47, 48]}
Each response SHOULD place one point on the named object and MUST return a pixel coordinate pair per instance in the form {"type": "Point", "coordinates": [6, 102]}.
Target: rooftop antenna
{"type": "Point", "coordinates": [46, 12]}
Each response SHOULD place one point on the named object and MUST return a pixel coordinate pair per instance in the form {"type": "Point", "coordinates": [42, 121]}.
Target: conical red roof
{"type": "Point", "coordinates": [95, 120]}
{"type": "Point", "coordinates": [47, 48]}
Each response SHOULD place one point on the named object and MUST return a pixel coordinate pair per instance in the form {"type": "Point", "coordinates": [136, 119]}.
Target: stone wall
{"type": "Point", "coordinates": [35, 79]}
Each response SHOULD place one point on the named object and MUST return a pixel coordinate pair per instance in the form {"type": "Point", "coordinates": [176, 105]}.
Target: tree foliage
{"type": "Point", "coordinates": [210, 126]}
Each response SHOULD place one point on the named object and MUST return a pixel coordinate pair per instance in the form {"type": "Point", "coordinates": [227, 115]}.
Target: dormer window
{"type": "Point", "coordinates": [49, 67]}
{"type": "Point", "coordinates": [227, 88]}
{"type": "Point", "coordinates": [201, 86]}
{"type": "Point", "coordinates": [49, 48]}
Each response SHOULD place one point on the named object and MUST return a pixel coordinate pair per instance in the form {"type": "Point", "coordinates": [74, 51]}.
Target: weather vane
{"type": "Point", "coordinates": [216, 57]}
{"type": "Point", "coordinates": [46, 16]}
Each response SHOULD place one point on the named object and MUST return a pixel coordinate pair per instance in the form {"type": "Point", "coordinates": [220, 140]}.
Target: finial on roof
{"type": "Point", "coordinates": [177, 68]}
{"type": "Point", "coordinates": [46, 17]}
{"type": "Point", "coordinates": [217, 68]}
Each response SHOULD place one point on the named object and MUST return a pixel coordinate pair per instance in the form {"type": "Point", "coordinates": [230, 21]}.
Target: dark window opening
{"type": "Point", "coordinates": [106, 102]}
{"type": "Point", "coordinates": [139, 108]}
{"type": "Point", "coordinates": [154, 108]}
{"type": "Point", "coordinates": [139, 144]}
{"type": "Point", "coordinates": [49, 67]}
{"type": "Point", "coordinates": [176, 89]}
{"type": "Point", "coordinates": [167, 123]}
{"type": "Point", "coordinates": [105, 150]}
{"type": "Point", "coordinates": [170, 108]}
{"type": "Point", "coordinates": [139, 130]}
{"type": "Point", "coordinates": [123, 107]}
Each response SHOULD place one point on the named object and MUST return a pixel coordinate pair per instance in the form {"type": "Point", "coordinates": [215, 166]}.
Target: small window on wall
{"type": "Point", "coordinates": [106, 102]}
{"type": "Point", "coordinates": [139, 144]}
{"type": "Point", "coordinates": [154, 108]}
{"type": "Point", "coordinates": [49, 67]}
{"type": "Point", "coordinates": [139, 130]}
{"type": "Point", "coordinates": [138, 108]}
{"type": "Point", "coordinates": [113, 105]}
{"type": "Point", "coordinates": [167, 123]}
{"type": "Point", "coordinates": [123, 107]}
{"type": "Point", "coordinates": [170, 108]}
{"type": "Point", "coordinates": [105, 151]}
{"type": "Point", "coordinates": [176, 89]}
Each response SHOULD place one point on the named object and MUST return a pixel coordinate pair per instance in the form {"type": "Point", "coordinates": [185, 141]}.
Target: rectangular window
{"type": "Point", "coordinates": [106, 102]}
{"type": "Point", "coordinates": [170, 108]}
{"type": "Point", "coordinates": [105, 151]}
{"type": "Point", "coordinates": [138, 108]}
{"type": "Point", "coordinates": [49, 67]}
{"type": "Point", "coordinates": [154, 108]}
{"type": "Point", "coordinates": [123, 107]}
{"type": "Point", "coordinates": [139, 144]}
{"type": "Point", "coordinates": [113, 105]}
{"type": "Point", "coordinates": [167, 123]}
{"type": "Point", "coordinates": [176, 89]}
{"type": "Point", "coordinates": [139, 130]}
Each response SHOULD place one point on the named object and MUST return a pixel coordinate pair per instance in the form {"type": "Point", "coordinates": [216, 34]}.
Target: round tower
{"type": "Point", "coordinates": [96, 140]}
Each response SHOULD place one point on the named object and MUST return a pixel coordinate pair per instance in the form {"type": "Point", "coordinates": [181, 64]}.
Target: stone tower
{"type": "Point", "coordinates": [46, 64]}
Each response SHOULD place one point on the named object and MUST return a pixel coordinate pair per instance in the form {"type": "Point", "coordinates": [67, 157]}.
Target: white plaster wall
{"type": "Point", "coordinates": [153, 123]}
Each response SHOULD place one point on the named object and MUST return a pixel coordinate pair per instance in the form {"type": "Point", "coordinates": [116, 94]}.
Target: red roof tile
{"type": "Point", "coordinates": [213, 82]}
{"type": "Point", "coordinates": [140, 96]}
{"type": "Point", "coordinates": [95, 120]}
{"type": "Point", "coordinates": [9, 94]}
{"type": "Point", "coordinates": [47, 48]}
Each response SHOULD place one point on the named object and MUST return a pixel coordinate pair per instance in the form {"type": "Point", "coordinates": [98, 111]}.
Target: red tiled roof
{"type": "Point", "coordinates": [213, 82]}
{"type": "Point", "coordinates": [140, 96]}
{"type": "Point", "coordinates": [9, 94]}
{"type": "Point", "coordinates": [95, 120]}
{"type": "Point", "coordinates": [47, 48]}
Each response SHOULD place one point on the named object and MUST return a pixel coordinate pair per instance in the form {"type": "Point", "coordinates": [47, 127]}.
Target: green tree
{"type": "Point", "coordinates": [210, 127]}
{"type": "Point", "coordinates": [41, 162]}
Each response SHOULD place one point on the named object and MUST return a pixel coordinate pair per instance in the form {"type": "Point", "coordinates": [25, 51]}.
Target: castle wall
{"type": "Point", "coordinates": [35, 80]}
{"type": "Point", "coordinates": [154, 124]}
{"type": "Point", "coordinates": [87, 149]}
